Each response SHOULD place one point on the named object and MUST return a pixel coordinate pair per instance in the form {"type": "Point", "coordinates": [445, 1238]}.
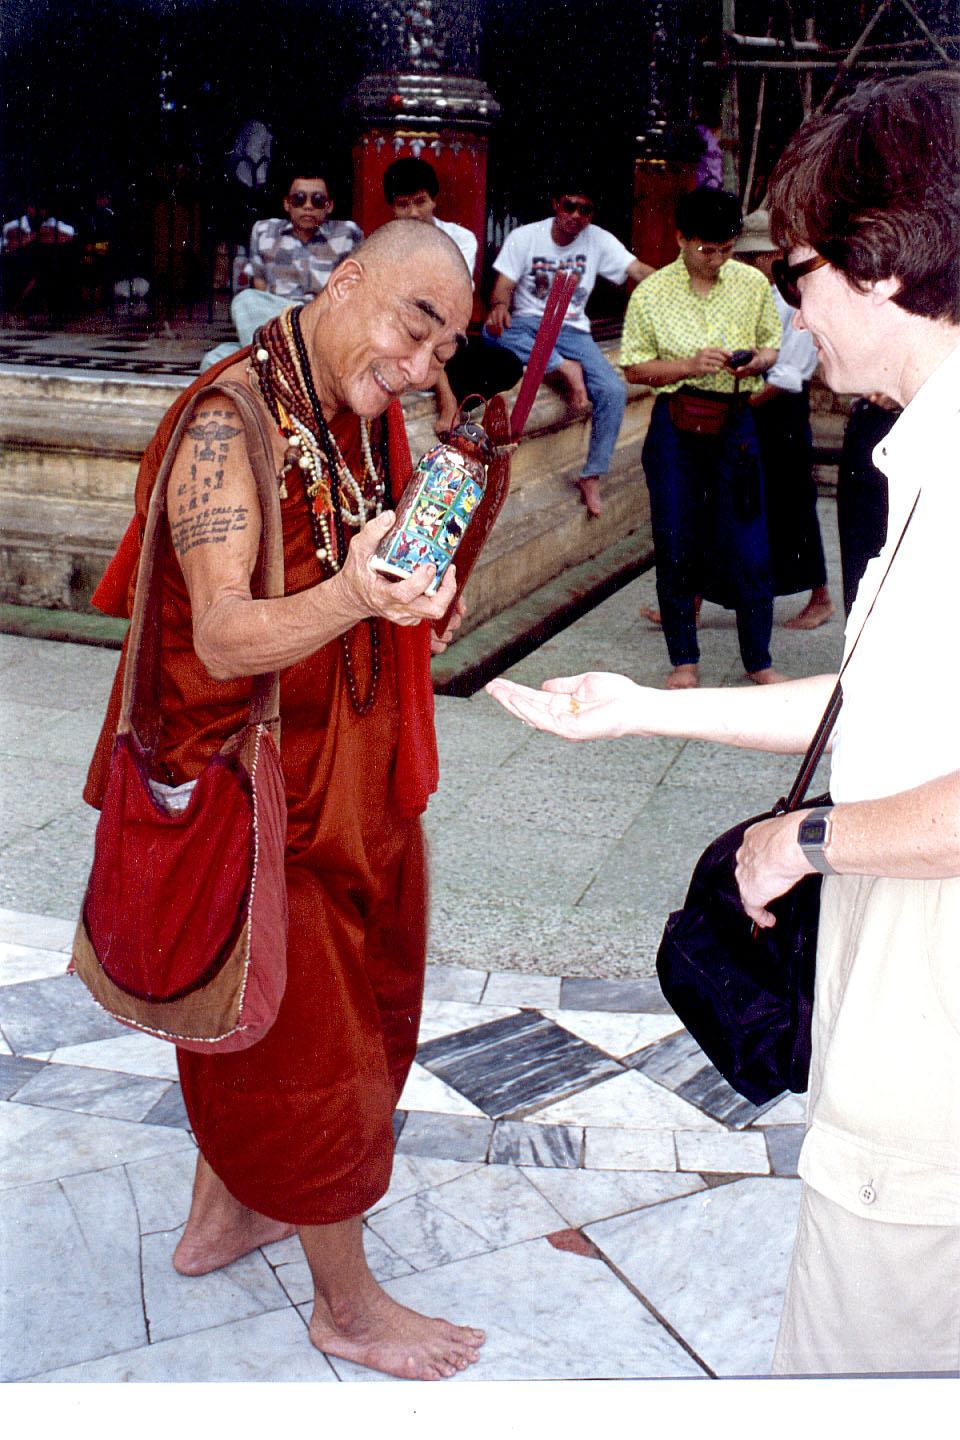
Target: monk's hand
{"type": "Point", "coordinates": [769, 863]}
{"type": "Point", "coordinates": [594, 706]}
{"type": "Point", "coordinates": [403, 602]}
{"type": "Point", "coordinates": [439, 643]}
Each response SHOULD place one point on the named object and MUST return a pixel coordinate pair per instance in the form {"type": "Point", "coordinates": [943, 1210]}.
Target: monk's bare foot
{"type": "Point", "coordinates": [383, 1335]}
{"type": "Point", "coordinates": [766, 677]}
{"type": "Point", "coordinates": [203, 1248]}
{"type": "Point", "coordinates": [590, 491]}
{"type": "Point", "coordinates": [683, 677]}
{"type": "Point", "coordinates": [813, 614]}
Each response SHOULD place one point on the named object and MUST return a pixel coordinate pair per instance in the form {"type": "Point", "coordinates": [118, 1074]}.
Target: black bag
{"type": "Point", "coordinates": [744, 993]}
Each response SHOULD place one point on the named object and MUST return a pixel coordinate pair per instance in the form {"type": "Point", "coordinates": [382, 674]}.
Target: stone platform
{"type": "Point", "coordinates": [77, 410]}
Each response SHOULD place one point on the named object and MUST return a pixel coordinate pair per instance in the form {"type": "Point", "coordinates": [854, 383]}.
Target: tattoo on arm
{"type": "Point", "coordinates": [198, 515]}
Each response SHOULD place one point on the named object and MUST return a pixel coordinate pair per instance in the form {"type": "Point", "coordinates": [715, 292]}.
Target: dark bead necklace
{"type": "Point", "coordinates": [297, 378]}
{"type": "Point", "coordinates": [365, 705]}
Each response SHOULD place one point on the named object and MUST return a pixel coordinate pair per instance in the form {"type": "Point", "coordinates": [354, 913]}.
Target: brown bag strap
{"type": "Point", "coordinates": [141, 685]}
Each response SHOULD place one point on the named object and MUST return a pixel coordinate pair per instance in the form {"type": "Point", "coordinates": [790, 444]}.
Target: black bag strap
{"type": "Point", "coordinates": [140, 707]}
{"type": "Point", "coordinates": [811, 760]}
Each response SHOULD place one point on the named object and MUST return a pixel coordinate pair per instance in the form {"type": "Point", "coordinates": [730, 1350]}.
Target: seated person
{"type": "Point", "coordinates": [411, 188]}
{"type": "Point", "coordinates": [290, 260]}
{"type": "Point", "coordinates": [37, 249]}
{"type": "Point", "coordinates": [530, 257]}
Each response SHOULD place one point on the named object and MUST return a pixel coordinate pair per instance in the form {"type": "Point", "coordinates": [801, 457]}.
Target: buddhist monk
{"type": "Point", "coordinates": [295, 1134]}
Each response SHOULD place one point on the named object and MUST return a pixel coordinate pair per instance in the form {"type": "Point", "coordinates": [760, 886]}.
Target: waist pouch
{"type": "Point", "coordinates": [696, 412]}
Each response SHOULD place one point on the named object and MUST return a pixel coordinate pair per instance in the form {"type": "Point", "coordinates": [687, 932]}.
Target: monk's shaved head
{"type": "Point", "coordinates": [403, 240]}
{"type": "Point", "coordinates": [390, 317]}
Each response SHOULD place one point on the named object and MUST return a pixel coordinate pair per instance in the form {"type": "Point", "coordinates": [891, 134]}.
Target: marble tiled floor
{"type": "Point", "coordinates": [130, 341]}
{"type": "Point", "coordinates": [609, 1209]}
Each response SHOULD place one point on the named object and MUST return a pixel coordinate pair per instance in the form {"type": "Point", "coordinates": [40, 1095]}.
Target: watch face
{"type": "Point", "coordinates": [813, 832]}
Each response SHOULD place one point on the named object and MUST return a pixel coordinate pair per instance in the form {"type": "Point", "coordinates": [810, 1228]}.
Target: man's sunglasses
{"type": "Point", "coordinates": [785, 277]}
{"type": "Point", "coordinates": [318, 200]}
{"type": "Point", "coordinates": [577, 207]}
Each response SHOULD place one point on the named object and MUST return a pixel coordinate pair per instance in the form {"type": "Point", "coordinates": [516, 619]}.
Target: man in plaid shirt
{"type": "Point", "coordinates": [290, 260]}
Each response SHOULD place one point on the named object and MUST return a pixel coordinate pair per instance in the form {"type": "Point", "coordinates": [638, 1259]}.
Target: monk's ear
{"type": "Point", "coordinates": [345, 278]}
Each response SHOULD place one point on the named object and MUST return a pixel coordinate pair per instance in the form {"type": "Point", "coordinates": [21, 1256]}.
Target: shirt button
{"type": "Point", "coordinates": [866, 1195]}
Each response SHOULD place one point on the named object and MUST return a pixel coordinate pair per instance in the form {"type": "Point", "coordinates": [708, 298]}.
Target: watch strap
{"type": "Point", "coordinates": [813, 849]}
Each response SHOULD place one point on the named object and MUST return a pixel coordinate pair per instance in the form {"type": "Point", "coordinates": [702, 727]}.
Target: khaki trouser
{"type": "Point", "coordinates": [865, 1297]}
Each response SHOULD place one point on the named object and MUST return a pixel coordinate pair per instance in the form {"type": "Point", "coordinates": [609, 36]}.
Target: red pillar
{"type": "Point", "coordinates": [657, 186]}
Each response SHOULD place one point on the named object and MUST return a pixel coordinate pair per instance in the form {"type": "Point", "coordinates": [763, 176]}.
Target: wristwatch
{"type": "Point", "coordinates": [812, 835]}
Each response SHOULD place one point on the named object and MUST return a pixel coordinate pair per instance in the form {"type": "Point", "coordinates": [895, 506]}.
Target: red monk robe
{"type": "Point", "coordinates": [299, 1127]}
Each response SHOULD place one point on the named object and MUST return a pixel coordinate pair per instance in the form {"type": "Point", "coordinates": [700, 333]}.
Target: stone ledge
{"type": "Point", "coordinates": [70, 445]}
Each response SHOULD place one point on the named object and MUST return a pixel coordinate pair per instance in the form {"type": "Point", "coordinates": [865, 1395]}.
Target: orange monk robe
{"type": "Point", "coordinates": [299, 1127]}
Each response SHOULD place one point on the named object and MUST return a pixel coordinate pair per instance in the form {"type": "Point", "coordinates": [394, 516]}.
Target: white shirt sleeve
{"type": "Point", "coordinates": [464, 239]}
{"type": "Point", "coordinates": [512, 260]}
{"type": "Point", "coordinates": [797, 359]}
{"type": "Point", "coordinates": [613, 257]}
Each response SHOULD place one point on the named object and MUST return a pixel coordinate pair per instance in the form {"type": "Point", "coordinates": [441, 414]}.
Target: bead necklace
{"type": "Point", "coordinates": [282, 371]}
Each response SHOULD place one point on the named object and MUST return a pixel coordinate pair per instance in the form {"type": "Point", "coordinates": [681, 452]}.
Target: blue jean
{"type": "Point", "coordinates": [607, 391]}
{"type": "Point", "coordinates": [709, 532]}
{"type": "Point", "coordinates": [249, 309]}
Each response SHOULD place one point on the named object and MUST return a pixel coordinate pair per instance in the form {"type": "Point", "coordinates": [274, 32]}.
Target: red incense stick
{"type": "Point", "coordinates": [561, 293]}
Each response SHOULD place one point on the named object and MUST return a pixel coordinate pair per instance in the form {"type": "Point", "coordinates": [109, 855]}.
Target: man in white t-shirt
{"type": "Point", "coordinates": [411, 188]}
{"type": "Point", "coordinates": [530, 257]}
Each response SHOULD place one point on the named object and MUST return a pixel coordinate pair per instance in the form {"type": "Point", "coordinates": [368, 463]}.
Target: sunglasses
{"type": "Point", "coordinates": [577, 207]}
{"type": "Point", "coordinates": [318, 200]}
{"type": "Point", "coordinates": [785, 277]}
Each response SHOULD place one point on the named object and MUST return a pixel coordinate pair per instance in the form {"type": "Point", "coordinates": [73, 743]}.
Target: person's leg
{"type": "Point", "coordinates": [866, 1297]}
{"type": "Point", "coordinates": [861, 494]}
{"type": "Point", "coordinates": [518, 338]}
{"type": "Point", "coordinates": [739, 535]}
{"type": "Point", "coordinates": [791, 449]}
{"type": "Point", "coordinates": [446, 406]}
{"type": "Point", "coordinates": [219, 1229]}
{"type": "Point", "coordinates": [249, 309]}
{"type": "Point", "coordinates": [219, 352]}
{"type": "Point", "coordinates": [607, 394]}
{"type": "Point", "coordinates": [571, 374]}
{"type": "Point", "coordinates": [674, 486]}
{"type": "Point", "coordinates": [353, 1316]}
{"type": "Point", "coordinates": [355, 1319]}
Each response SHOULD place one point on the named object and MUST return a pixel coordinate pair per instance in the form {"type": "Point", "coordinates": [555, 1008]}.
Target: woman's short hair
{"type": "Point", "coordinates": [874, 187]}
{"type": "Point", "coordinates": [711, 215]}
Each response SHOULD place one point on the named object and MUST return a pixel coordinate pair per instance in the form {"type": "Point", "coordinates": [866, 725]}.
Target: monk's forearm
{"type": "Point", "coordinates": [237, 635]}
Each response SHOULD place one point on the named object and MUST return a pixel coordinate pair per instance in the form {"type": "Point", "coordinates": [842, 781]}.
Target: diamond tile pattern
{"type": "Point", "coordinates": [680, 1065]}
{"type": "Point", "coordinates": [515, 1065]}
